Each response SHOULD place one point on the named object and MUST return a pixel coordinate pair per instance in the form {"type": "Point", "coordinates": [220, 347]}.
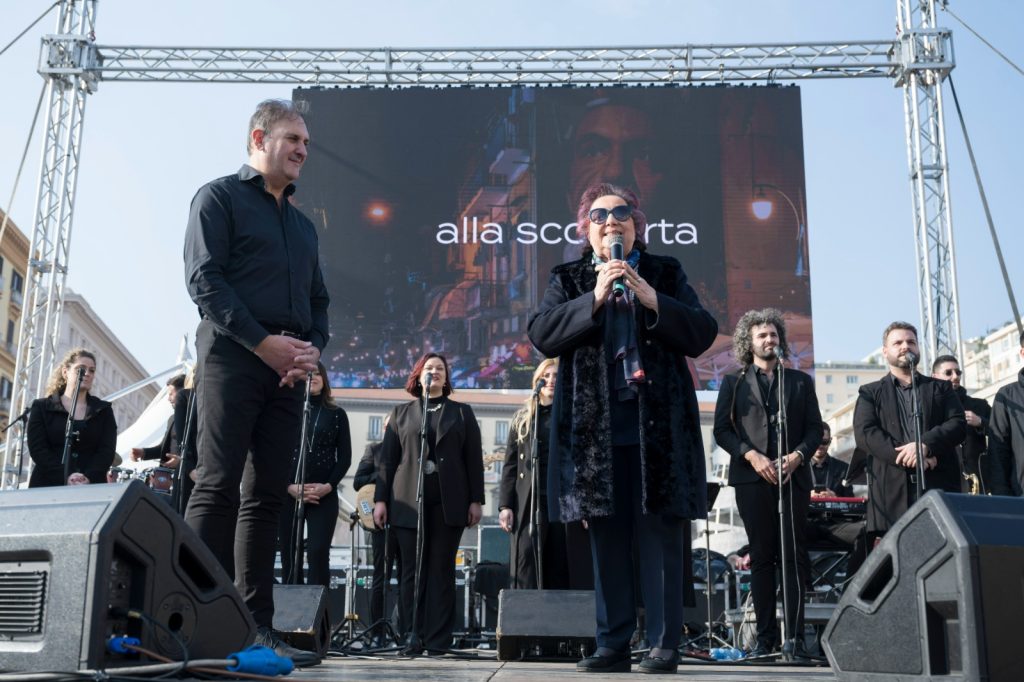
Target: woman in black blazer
{"type": "Point", "coordinates": [453, 494]}
{"type": "Point", "coordinates": [564, 547]}
{"type": "Point", "coordinates": [94, 438]}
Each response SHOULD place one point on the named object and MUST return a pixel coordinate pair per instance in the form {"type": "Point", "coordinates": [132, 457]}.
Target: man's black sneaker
{"type": "Point", "coordinates": [300, 657]}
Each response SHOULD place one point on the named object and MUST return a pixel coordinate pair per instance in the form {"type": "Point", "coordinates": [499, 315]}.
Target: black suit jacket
{"type": "Point", "coordinates": [741, 422]}
{"type": "Point", "coordinates": [876, 429]}
{"type": "Point", "coordinates": [458, 453]}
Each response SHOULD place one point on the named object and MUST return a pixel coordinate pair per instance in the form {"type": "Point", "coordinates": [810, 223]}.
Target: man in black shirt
{"type": "Point", "coordinates": [252, 267]}
{"type": "Point", "coordinates": [976, 415]}
{"type": "Point", "coordinates": [883, 427]}
{"type": "Point", "coordinates": [746, 426]}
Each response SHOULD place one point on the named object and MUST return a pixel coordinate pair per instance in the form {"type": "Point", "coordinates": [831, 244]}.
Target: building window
{"type": "Point", "coordinates": [852, 379]}
{"type": "Point", "coordinates": [17, 281]}
{"type": "Point", "coordinates": [829, 398]}
{"type": "Point", "coordinates": [376, 430]}
{"type": "Point", "coordinates": [6, 388]}
{"type": "Point", "coordinates": [10, 337]}
{"type": "Point", "coordinates": [828, 378]}
{"type": "Point", "coordinates": [500, 432]}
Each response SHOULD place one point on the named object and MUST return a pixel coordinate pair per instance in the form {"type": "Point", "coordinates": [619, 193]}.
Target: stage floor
{"type": "Point", "coordinates": [488, 669]}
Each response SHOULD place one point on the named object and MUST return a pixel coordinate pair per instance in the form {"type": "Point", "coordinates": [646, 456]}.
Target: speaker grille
{"type": "Point", "coordinates": [22, 597]}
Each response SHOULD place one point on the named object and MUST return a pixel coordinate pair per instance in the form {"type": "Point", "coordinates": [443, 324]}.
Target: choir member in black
{"type": "Point", "coordinates": [327, 461]}
{"type": "Point", "coordinates": [385, 557]}
{"type": "Point", "coordinates": [186, 425]}
{"type": "Point", "coordinates": [972, 452]}
{"type": "Point", "coordinates": [746, 426]}
{"type": "Point", "coordinates": [883, 428]}
{"type": "Point", "coordinates": [453, 494]}
{"type": "Point", "coordinates": [626, 452]}
{"type": "Point", "coordinates": [565, 548]}
{"type": "Point", "coordinates": [94, 432]}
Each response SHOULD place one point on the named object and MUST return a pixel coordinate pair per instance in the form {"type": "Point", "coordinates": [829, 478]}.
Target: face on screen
{"type": "Point", "coordinates": [614, 143]}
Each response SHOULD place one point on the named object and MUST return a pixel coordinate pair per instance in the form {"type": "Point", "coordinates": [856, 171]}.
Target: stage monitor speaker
{"type": "Point", "coordinates": [75, 559]}
{"type": "Point", "coordinates": [300, 616]}
{"type": "Point", "coordinates": [940, 597]}
{"type": "Point", "coordinates": [545, 624]}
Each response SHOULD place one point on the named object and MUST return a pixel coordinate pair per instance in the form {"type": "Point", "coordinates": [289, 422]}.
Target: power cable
{"type": "Point", "coordinates": [29, 27]}
{"type": "Point", "coordinates": [988, 213]}
{"type": "Point", "coordinates": [945, 8]}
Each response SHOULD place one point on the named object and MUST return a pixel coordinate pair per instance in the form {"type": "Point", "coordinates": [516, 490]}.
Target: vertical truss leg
{"type": "Point", "coordinates": [925, 59]}
{"type": "Point", "coordinates": [62, 65]}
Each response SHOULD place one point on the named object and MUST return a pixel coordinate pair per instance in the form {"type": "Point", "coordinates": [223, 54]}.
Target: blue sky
{"type": "Point", "coordinates": [148, 147]}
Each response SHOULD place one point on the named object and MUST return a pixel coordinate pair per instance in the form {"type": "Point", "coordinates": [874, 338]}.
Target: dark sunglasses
{"type": "Point", "coordinates": [826, 441]}
{"type": "Point", "coordinates": [951, 372]}
{"type": "Point", "coordinates": [620, 213]}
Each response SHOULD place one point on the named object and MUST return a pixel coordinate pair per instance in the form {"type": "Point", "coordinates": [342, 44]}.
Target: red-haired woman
{"type": "Point", "coordinates": [453, 493]}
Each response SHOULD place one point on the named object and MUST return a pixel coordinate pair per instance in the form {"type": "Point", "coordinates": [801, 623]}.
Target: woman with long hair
{"type": "Point", "coordinates": [94, 431]}
{"type": "Point", "coordinates": [453, 496]}
{"type": "Point", "coordinates": [328, 458]}
{"type": "Point", "coordinates": [563, 548]}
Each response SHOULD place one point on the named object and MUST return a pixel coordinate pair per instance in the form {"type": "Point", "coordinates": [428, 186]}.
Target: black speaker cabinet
{"type": "Point", "coordinates": [75, 559]}
{"type": "Point", "coordinates": [549, 624]}
{"type": "Point", "coordinates": [940, 597]}
{"type": "Point", "coordinates": [300, 616]}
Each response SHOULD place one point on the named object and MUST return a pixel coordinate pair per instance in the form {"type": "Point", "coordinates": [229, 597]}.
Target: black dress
{"type": "Point", "coordinates": [92, 448]}
{"type": "Point", "coordinates": [565, 553]}
{"type": "Point", "coordinates": [327, 461]}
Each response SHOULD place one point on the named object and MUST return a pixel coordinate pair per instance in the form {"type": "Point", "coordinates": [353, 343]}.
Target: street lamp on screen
{"type": "Point", "coordinates": [762, 208]}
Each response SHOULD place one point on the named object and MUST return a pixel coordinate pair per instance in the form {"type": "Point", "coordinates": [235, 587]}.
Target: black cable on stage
{"type": "Point", "coordinates": [945, 8]}
{"type": "Point", "coordinates": [988, 213]}
{"type": "Point", "coordinates": [29, 27]}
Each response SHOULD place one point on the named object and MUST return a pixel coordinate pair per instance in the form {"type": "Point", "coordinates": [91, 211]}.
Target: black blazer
{"type": "Point", "coordinates": [741, 422]}
{"type": "Point", "coordinates": [94, 446]}
{"type": "Point", "coordinates": [876, 429]}
{"type": "Point", "coordinates": [458, 453]}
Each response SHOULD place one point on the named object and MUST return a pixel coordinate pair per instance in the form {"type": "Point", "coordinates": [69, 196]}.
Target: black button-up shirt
{"type": "Point", "coordinates": [253, 266]}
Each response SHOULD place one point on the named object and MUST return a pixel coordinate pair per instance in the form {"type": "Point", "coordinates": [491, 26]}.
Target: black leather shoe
{"type": "Point", "coordinates": [794, 649]}
{"type": "Point", "coordinates": [300, 657]}
{"type": "Point", "coordinates": [606, 661]}
{"type": "Point", "coordinates": [657, 665]}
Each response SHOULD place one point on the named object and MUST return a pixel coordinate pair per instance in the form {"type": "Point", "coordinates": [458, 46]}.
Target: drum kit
{"type": "Point", "coordinates": [157, 478]}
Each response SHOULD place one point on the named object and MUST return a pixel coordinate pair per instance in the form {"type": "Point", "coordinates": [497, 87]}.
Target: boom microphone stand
{"type": "Point", "coordinates": [299, 522]}
{"type": "Point", "coordinates": [414, 645]}
{"type": "Point", "coordinates": [534, 529]}
{"type": "Point", "coordinates": [69, 433]}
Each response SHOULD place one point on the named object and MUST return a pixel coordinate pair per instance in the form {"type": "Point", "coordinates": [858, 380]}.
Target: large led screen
{"type": "Point", "coordinates": [442, 211]}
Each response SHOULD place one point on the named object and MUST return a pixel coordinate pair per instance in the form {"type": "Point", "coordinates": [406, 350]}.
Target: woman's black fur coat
{"type": "Point", "coordinates": [671, 448]}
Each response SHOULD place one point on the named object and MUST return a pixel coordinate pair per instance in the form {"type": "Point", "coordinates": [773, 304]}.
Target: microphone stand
{"type": "Point", "coordinates": [69, 426]}
{"type": "Point", "coordinates": [782, 447]}
{"type": "Point", "coordinates": [179, 497]}
{"type": "Point", "coordinates": [414, 637]}
{"type": "Point", "coordinates": [299, 522]}
{"type": "Point", "coordinates": [915, 402]}
{"type": "Point", "coordinates": [534, 529]}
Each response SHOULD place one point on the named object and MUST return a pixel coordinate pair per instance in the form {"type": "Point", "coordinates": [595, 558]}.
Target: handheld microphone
{"type": "Point", "coordinates": [540, 384]}
{"type": "Point", "coordinates": [615, 243]}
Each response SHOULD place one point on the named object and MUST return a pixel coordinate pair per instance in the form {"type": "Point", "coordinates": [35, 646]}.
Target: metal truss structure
{"type": "Point", "coordinates": [73, 65]}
